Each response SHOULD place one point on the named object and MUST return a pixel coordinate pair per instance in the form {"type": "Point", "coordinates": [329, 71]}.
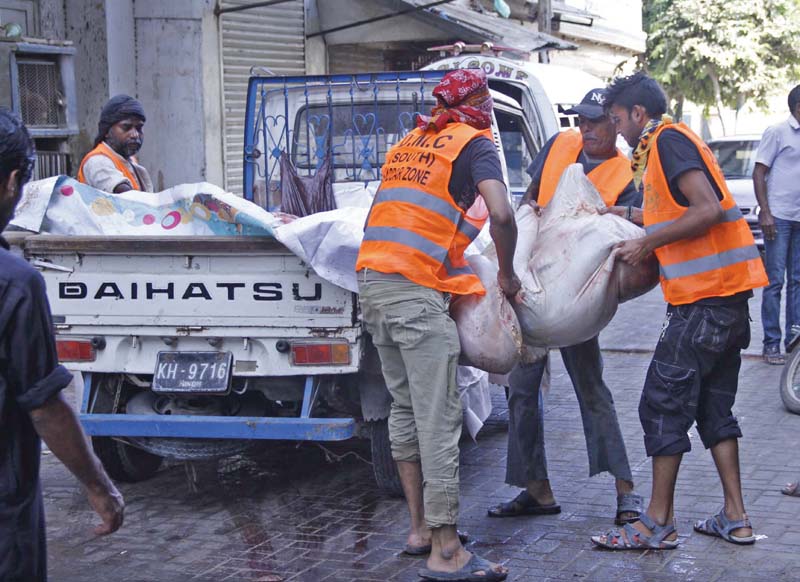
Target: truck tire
{"type": "Point", "coordinates": [383, 465]}
{"type": "Point", "coordinates": [124, 462]}
{"type": "Point", "coordinates": [790, 382]}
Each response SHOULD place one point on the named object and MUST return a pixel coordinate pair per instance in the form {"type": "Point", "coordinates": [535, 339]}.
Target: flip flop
{"type": "Point", "coordinates": [523, 504]}
{"type": "Point", "coordinates": [415, 551]}
{"type": "Point", "coordinates": [628, 503]}
{"type": "Point", "coordinates": [721, 527]}
{"type": "Point", "coordinates": [469, 573]}
{"type": "Point", "coordinates": [636, 540]}
{"type": "Point", "coordinates": [792, 489]}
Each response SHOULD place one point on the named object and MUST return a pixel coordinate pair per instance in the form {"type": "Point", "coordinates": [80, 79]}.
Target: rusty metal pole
{"type": "Point", "coordinates": [544, 18]}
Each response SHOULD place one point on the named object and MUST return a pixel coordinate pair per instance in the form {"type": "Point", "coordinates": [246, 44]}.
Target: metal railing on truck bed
{"type": "Point", "coordinates": [353, 120]}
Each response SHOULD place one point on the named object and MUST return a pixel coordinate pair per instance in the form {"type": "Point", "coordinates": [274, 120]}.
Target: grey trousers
{"type": "Point", "coordinates": [526, 452]}
{"type": "Point", "coordinates": [418, 345]}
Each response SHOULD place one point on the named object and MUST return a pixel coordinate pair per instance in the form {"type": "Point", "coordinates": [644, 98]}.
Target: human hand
{"type": "Point", "coordinates": [509, 285]}
{"type": "Point", "coordinates": [632, 251]}
{"type": "Point", "coordinates": [620, 211]}
{"type": "Point", "coordinates": [107, 502]}
{"type": "Point", "coordinates": [537, 210]}
{"type": "Point", "coordinates": [767, 222]}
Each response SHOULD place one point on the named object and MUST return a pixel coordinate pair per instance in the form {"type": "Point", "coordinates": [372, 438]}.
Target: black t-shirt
{"type": "Point", "coordinates": [630, 196]}
{"type": "Point", "coordinates": [678, 155]}
{"type": "Point", "coordinates": [29, 376]}
{"type": "Point", "coordinates": [478, 161]}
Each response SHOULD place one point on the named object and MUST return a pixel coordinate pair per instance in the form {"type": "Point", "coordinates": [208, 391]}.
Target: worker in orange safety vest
{"type": "Point", "coordinates": [709, 266]}
{"type": "Point", "coordinates": [111, 165]}
{"type": "Point", "coordinates": [594, 147]}
{"type": "Point", "coordinates": [439, 185]}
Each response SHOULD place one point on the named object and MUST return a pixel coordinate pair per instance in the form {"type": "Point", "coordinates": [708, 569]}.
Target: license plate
{"type": "Point", "coordinates": [194, 372]}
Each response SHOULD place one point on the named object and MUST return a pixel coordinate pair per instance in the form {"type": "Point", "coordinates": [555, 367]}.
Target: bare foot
{"type": "Point", "coordinates": [459, 559]}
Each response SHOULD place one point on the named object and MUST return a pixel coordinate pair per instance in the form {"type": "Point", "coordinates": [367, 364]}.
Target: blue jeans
{"type": "Point", "coordinates": [782, 259]}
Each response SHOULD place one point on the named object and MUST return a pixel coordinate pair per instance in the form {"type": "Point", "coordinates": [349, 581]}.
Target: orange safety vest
{"type": "Point", "coordinates": [720, 263]}
{"type": "Point", "coordinates": [610, 178]}
{"type": "Point", "coordinates": [414, 227]}
{"type": "Point", "coordinates": [103, 150]}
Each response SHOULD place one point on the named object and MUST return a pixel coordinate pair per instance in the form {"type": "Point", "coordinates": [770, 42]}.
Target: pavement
{"type": "Point", "coordinates": [303, 513]}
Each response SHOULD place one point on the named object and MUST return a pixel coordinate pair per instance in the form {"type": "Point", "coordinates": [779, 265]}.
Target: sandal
{"type": "Point", "coordinates": [470, 572]}
{"type": "Point", "coordinates": [628, 503]}
{"type": "Point", "coordinates": [636, 540]}
{"type": "Point", "coordinates": [415, 551]}
{"type": "Point", "coordinates": [523, 504]}
{"type": "Point", "coordinates": [792, 489]}
{"type": "Point", "coordinates": [720, 526]}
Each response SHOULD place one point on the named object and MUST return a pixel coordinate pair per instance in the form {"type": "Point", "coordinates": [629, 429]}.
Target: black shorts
{"type": "Point", "coordinates": [693, 377]}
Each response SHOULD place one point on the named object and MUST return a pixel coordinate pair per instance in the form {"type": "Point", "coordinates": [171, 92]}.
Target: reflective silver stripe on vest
{"type": "Point", "coordinates": [418, 242]}
{"type": "Point", "coordinates": [420, 198]}
{"type": "Point", "coordinates": [454, 271]}
{"type": "Point", "coordinates": [407, 238]}
{"type": "Point", "coordinates": [731, 215]}
{"type": "Point", "coordinates": [710, 263]}
{"type": "Point", "coordinates": [469, 230]}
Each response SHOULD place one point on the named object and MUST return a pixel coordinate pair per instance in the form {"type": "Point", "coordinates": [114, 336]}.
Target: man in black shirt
{"type": "Point", "coordinates": [708, 267]}
{"type": "Point", "coordinates": [31, 404]}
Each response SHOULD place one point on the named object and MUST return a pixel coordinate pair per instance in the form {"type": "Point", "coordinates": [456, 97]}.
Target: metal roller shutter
{"type": "Point", "coordinates": [272, 37]}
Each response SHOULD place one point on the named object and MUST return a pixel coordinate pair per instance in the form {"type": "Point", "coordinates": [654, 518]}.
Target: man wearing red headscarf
{"type": "Point", "coordinates": [439, 185]}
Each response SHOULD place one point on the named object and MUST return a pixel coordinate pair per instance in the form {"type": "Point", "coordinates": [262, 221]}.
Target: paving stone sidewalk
{"type": "Point", "coordinates": [289, 512]}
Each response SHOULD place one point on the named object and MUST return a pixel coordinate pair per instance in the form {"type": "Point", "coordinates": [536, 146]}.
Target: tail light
{"type": "Point", "coordinates": [315, 354]}
{"type": "Point", "coordinates": [76, 350]}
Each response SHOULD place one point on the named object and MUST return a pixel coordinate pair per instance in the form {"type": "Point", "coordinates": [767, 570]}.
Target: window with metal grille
{"type": "Point", "coordinates": [41, 101]}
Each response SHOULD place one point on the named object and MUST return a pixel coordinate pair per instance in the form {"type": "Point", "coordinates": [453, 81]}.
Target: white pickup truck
{"type": "Point", "coordinates": [194, 347]}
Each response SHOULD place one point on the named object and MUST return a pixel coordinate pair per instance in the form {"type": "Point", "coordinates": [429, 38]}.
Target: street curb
{"type": "Point", "coordinates": [648, 351]}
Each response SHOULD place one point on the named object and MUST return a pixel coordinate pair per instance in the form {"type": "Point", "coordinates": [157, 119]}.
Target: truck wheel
{"type": "Point", "coordinates": [124, 462]}
{"type": "Point", "coordinates": [790, 382]}
{"type": "Point", "coordinates": [383, 465]}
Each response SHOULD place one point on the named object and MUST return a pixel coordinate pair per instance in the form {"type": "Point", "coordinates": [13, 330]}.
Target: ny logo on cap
{"type": "Point", "coordinates": [599, 98]}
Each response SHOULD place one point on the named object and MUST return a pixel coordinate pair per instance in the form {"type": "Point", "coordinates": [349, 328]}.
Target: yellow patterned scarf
{"type": "Point", "coordinates": [639, 157]}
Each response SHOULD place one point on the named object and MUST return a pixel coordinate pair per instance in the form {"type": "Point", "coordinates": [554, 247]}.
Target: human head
{"type": "Point", "coordinates": [465, 94]}
{"type": "Point", "coordinates": [597, 130]}
{"type": "Point", "coordinates": [17, 158]}
{"type": "Point", "coordinates": [121, 124]}
{"type": "Point", "coordinates": [794, 102]}
{"type": "Point", "coordinates": [631, 102]}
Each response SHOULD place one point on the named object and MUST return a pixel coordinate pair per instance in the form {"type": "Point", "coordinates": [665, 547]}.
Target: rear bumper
{"type": "Point", "coordinates": [219, 427]}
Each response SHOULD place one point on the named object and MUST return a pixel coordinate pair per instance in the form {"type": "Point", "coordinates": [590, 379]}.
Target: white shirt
{"type": "Point", "coordinates": [779, 150]}
{"type": "Point", "coordinates": [101, 173]}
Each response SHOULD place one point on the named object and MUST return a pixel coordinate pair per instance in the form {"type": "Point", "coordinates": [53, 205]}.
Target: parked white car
{"type": "Point", "coordinates": [737, 158]}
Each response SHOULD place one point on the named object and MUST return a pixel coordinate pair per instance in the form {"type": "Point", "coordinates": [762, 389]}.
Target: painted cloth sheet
{"type": "Point", "coordinates": [67, 207]}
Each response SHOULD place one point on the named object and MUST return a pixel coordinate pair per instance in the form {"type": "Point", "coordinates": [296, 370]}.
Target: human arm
{"type": "Point", "coordinates": [703, 212]}
{"type": "Point", "coordinates": [765, 218]}
{"type": "Point", "coordinates": [535, 170]}
{"type": "Point", "coordinates": [628, 205]}
{"type": "Point", "coordinates": [101, 173]}
{"type": "Point", "coordinates": [38, 380]}
{"type": "Point", "coordinates": [56, 423]}
{"type": "Point", "coordinates": [503, 230]}
{"type": "Point", "coordinates": [768, 149]}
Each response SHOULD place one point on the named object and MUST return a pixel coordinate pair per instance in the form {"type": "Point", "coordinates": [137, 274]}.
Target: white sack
{"type": "Point", "coordinates": [476, 397]}
{"type": "Point", "coordinates": [328, 242]}
{"type": "Point", "coordinates": [487, 325]}
{"type": "Point", "coordinates": [571, 288]}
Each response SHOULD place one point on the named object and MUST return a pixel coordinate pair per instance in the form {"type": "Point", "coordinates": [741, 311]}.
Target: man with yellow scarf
{"type": "Point", "coordinates": [709, 266]}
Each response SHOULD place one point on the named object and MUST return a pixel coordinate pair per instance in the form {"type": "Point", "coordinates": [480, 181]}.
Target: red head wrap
{"type": "Point", "coordinates": [463, 96]}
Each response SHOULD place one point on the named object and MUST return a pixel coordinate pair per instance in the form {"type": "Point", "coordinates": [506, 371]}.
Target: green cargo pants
{"type": "Point", "coordinates": [418, 346]}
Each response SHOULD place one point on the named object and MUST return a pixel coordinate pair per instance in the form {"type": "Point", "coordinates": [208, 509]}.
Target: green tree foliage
{"type": "Point", "coordinates": [723, 52]}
